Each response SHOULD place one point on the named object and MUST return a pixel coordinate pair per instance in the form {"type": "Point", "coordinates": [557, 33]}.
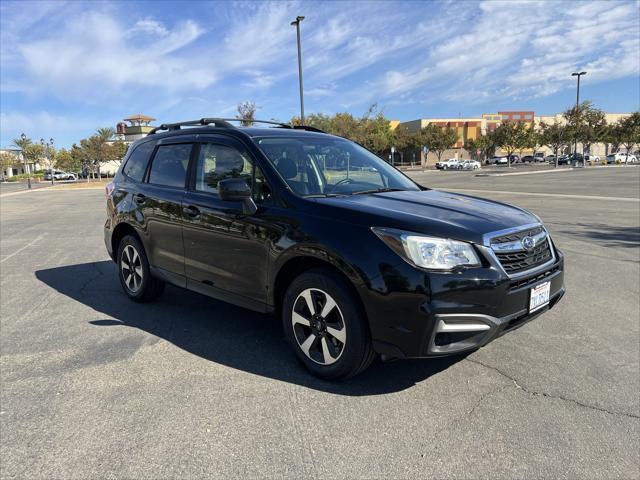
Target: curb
{"type": "Point", "coordinates": [555, 170]}
{"type": "Point", "coordinates": [50, 189]}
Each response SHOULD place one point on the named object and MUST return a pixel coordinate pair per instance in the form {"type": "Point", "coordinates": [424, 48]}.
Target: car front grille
{"type": "Point", "coordinates": [512, 255]}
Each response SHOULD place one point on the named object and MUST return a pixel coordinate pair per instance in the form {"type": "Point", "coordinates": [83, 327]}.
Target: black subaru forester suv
{"type": "Point", "coordinates": [356, 258]}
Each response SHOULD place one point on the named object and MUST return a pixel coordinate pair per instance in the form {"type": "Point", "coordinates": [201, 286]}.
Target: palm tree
{"type": "Point", "coordinates": [23, 143]}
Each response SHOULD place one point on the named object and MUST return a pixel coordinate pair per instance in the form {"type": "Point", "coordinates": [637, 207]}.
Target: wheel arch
{"type": "Point", "coordinates": [122, 229]}
{"type": "Point", "coordinates": [297, 264]}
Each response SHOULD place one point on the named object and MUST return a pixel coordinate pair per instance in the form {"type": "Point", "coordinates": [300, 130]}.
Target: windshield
{"type": "Point", "coordinates": [314, 166]}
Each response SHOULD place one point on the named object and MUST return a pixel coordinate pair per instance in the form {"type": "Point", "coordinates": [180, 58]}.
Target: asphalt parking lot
{"type": "Point", "coordinates": [93, 385]}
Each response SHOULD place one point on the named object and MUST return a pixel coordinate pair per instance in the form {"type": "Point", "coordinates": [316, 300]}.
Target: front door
{"type": "Point", "coordinates": [225, 250]}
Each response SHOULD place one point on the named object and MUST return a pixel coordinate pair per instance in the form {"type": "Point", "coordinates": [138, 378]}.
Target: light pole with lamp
{"type": "Point", "coordinates": [23, 137]}
{"type": "Point", "coordinates": [575, 144]}
{"type": "Point", "coordinates": [296, 23]}
{"type": "Point", "coordinates": [46, 154]}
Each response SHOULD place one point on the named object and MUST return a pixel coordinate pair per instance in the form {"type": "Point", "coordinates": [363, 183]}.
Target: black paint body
{"type": "Point", "coordinates": [243, 258]}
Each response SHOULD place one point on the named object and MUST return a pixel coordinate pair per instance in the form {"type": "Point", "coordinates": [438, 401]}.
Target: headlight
{"type": "Point", "coordinates": [428, 252]}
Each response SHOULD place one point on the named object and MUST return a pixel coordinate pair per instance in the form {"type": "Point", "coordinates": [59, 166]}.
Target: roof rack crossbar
{"type": "Point", "coordinates": [224, 123]}
{"type": "Point", "coordinates": [218, 122]}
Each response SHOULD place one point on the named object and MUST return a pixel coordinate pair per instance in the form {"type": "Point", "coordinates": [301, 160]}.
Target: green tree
{"type": "Point", "coordinates": [629, 132]}
{"type": "Point", "coordinates": [439, 139]}
{"type": "Point", "coordinates": [555, 136]}
{"type": "Point", "coordinates": [612, 137]}
{"type": "Point", "coordinates": [7, 160]}
{"type": "Point", "coordinates": [509, 136]}
{"type": "Point", "coordinates": [485, 143]}
{"type": "Point", "coordinates": [585, 124]}
{"type": "Point", "coordinates": [593, 127]}
{"type": "Point", "coordinates": [371, 130]}
{"type": "Point", "coordinates": [67, 162]}
{"type": "Point", "coordinates": [49, 154]}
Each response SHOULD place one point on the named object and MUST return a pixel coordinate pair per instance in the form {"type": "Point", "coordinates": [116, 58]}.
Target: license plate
{"type": "Point", "coordinates": [539, 296]}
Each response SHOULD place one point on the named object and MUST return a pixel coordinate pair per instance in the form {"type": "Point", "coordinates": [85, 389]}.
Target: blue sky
{"type": "Point", "coordinates": [69, 68]}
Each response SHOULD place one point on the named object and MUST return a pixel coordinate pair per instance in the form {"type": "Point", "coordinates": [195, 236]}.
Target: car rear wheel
{"type": "Point", "coordinates": [134, 273]}
{"type": "Point", "coordinates": [325, 325]}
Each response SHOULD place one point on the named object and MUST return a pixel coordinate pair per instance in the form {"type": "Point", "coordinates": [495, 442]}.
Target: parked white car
{"type": "Point", "coordinates": [450, 164]}
{"type": "Point", "coordinates": [592, 159]}
{"type": "Point", "coordinates": [469, 165]}
{"type": "Point", "coordinates": [621, 158]}
{"type": "Point", "coordinates": [498, 161]}
{"type": "Point", "coordinates": [60, 175]}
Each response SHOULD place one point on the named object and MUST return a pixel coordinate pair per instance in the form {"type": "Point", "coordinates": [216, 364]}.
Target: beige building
{"type": "Point", "coordinates": [134, 127]}
{"type": "Point", "coordinates": [472, 127]}
{"type": "Point", "coordinates": [599, 149]}
{"type": "Point", "coordinates": [129, 130]}
{"type": "Point", "coordinates": [18, 167]}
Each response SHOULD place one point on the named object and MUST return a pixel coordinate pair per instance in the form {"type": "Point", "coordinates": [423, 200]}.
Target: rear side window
{"type": "Point", "coordinates": [137, 162]}
{"type": "Point", "coordinates": [169, 166]}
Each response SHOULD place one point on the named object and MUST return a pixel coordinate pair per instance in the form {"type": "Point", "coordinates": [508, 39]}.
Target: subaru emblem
{"type": "Point", "coordinates": [528, 243]}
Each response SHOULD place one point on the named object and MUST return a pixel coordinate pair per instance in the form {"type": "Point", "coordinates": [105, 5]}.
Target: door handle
{"type": "Point", "coordinates": [191, 211]}
{"type": "Point", "coordinates": [139, 198]}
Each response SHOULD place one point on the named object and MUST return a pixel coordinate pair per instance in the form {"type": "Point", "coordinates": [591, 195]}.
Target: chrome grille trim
{"type": "Point", "coordinates": [487, 241]}
{"type": "Point", "coordinates": [516, 245]}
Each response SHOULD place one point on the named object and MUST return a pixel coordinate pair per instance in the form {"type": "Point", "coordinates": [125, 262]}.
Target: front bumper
{"type": "Point", "coordinates": [405, 307]}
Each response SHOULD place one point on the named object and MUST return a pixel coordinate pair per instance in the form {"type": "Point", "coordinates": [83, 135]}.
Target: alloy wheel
{"type": "Point", "coordinates": [131, 267]}
{"type": "Point", "coordinates": [318, 326]}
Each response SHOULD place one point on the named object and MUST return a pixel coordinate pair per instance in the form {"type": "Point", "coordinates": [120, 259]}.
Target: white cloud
{"type": "Point", "coordinates": [149, 25]}
{"type": "Point", "coordinates": [354, 53]}
{"type": "Point", "coordinates": [521, 50]}
{"type": "Point", "coordinates": [95, 54]}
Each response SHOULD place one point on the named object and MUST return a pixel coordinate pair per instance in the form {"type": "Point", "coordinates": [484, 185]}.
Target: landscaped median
{"type": "Point", "coordinates": [95, 184]}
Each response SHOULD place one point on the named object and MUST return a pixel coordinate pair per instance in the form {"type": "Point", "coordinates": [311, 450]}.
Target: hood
{"type": "Point", "coordinates": [431, 212]}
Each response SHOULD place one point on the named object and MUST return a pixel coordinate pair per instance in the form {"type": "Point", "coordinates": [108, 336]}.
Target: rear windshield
{"type": "Point", "coordinates": [317, 166]}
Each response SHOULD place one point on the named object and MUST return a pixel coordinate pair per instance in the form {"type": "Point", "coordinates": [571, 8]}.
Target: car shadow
{"type": "Point", "coordinates": [222, 333]}
{"type": "Point", "coordinates": [605, 235]}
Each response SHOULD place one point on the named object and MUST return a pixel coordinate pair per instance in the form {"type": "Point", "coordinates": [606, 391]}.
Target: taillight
{"type": "Point", "coordinates": [109, 189]}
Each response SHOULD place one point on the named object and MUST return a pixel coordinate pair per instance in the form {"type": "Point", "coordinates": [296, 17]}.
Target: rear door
{"type": "Point", "coordinates": [158, 202]}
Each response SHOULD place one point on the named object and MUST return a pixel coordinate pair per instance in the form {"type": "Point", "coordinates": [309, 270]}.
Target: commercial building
{"type": "Point", "coordinates": [471, 128]}
{"type": "Point", "coordinates": [134, 127]}
{"type": "Point", "coordinates": [129, 130]}
{"type": "Point", "coordinates": [16, 167]}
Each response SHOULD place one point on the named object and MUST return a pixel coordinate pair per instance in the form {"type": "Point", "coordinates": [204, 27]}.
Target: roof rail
{"type": "Point", "coordinates": [224, 123]}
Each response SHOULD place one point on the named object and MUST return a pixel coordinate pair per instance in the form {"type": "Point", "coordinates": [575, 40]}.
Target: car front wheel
{"type": "Point", "coordinates": [325, 325]}
{"type": "Point", "coordinates": [134, 272]}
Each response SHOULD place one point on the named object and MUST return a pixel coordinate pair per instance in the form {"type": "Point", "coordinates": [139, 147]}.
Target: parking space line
{"type": "Point", "coordinates": [21, 249]}
{"type": "Point", "coordinates": [552, 195]}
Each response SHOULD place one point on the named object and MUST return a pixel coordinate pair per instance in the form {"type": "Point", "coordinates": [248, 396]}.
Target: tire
{"type": "Point", "coordinates": [140, 285]}
{"type": "Point", "coordinates": [336, 345]}
{"type": "Point", "coordinates": [445, 167]}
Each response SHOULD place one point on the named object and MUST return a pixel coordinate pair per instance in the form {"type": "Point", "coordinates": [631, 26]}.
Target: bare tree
{"type": "Point", "coordinates": [246, 113]}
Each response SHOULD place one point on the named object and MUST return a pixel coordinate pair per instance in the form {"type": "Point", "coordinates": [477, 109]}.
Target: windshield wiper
{"type": "Point", "coordinates": [323, 195]}
{"type": "Point", "coordinates": [378, 190]}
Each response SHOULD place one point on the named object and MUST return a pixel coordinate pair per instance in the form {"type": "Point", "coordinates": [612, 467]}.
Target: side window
{"type": "Point", "coordinates": [137, 162]}
{"type": "Point", "coordinates": [217, 162]}
{"type": "Point", "coordinates": [169, 166]}
{"type": "Point", "coordinates": [261, 189]}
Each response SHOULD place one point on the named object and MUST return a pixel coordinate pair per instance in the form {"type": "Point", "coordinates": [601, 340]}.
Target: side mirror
{"type": "Point", "coordinates": [237, 190]}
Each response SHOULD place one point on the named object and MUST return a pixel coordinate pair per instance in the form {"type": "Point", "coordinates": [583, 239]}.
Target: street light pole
{"type": "Point", "coordinates": [575, 144]}
{"type": "Point", "coordinates": [23, 137]}
{"type": "Point", "coordinates": [296, 22]}
{"type": "Point", "coordinates": [45, 147]}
